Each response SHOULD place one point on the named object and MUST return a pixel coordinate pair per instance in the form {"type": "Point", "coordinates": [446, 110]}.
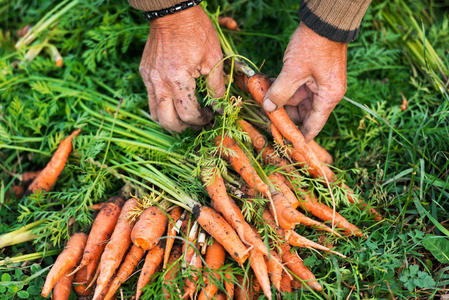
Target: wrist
{"type": "Point", "coordinates": [181, 18]}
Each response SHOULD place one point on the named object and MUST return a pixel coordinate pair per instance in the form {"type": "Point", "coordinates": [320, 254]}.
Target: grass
{"type": "Point", "coordinates": [397, 160]}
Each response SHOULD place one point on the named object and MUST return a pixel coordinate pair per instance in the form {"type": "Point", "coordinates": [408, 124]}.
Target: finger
{"type": "Point", "coordinates": [316, 118]}
{"type": "Point", "coordinates": [304, 108]}
{"type": "Point", "coordinates": [166, 112]}
{"type": "Point", "coordinates": [292, 112]}
{"type": "Point", "coordinates": [185, 102]}
{"type": "Point", "coordinates": [215, 79]}
{"type": "Point", "coordinates": [283, 88]}
{"type": "Point", "coordinates": [152, 103]}
{"type": "Point", "coordinates": [302, 93]}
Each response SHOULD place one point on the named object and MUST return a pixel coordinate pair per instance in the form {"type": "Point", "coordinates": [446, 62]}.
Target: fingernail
{"type": "Point", "coordinates": [268, 105]}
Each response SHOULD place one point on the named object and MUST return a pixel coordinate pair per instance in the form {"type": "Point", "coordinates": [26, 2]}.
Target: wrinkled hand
{"type": "Point", "coordinates": [180, 48]}
{"type": "Point", "coordinates": [312, 80]}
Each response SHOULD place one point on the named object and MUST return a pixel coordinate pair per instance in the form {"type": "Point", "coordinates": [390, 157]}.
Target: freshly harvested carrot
{"type": "Point", "coordinates": [100, 233]}
{"type": "Point", "coordinates": [296, 284]}
{"type": "Point", "coordinates": [257, 139]}
{"type": "Point", "coordinates": [215, 257]}
{"type": "Point", "coordinates": [297, 240]}
{"type": "Point", "coordinates": [229, 284]}
{"type": "Point", "coordinates": [173, 268]}
{"type": "Point", "coordinates": [175, 214]}
{"type": "Point", "coordinates": [241, 164]}
{"type": "Point", "coordinates": [231, 212]}
{"type": "Point", "coordinates": [61, 290]}
{"type": "Point", "coordinates": [321, 153]}
{"type": "Point", "coordinates": [115, 249]}
{"type": "Point", "coordinates": [81, 283]}
{"type": "Point", "coordinates": [275, 270]}
{"type": "Point", "coordinates": [96, 206]}
{"type": "Point", "coordinates": [228, 23]}
{"type": "Point", "coordinates": [221, 296]}
{"type": "Point", "coordinates": [260, 269]}
{"type": "Point", "coordinates": [149, 228]}
{"type": "Point", "coordinates": [66, 260]}
{"type": "Point", "coordinates": [152, 261]}
{"type": "Point", "coordinates": [196, 265]}
{"type": "Point", "coordinates": [220, 230]}
{"type": "Point", "coordinates": [286, 283]}
{"type": "Point", "coordinates": [246, 289]}
{"type": "Point", "coordinates": [277, 136]}
{"type": "Point", "coordinates": [47, 177]}
{"type": "Point", "coordinates": [130, 262]}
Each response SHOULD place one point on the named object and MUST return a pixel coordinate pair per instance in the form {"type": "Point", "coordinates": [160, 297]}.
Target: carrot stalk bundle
{"type": "Point", "coordinates": [149, 228]}
{"type": "Point", "coordinates": [61, 290]}
{"type": "Point", "coordinates": [66, 260]}
{"type": "Point", "coordinates": [152, 260]}
{"type": "Point", "coordinates": [260, 269]}
{"type": "Point", "coordinates": [130, 262]}
{"type": "Point", "coordinates": [175, 214]}
{"type": "Point", "coordinates": [47, 177]}
{"type": "Point", "coordinates": [115, 249]}
{"type": "Point", "coordinates": [215, 257]}
{"type": "Point", "coordinates": [99, 234]}
{"type": "Point", "coordinates": [219, 229]}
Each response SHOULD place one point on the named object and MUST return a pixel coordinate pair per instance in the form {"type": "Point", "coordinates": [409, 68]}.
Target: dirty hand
{"type": "Point", "coordinates": [312, 80]}
{"type": "Point", "coordinates": [180, 48]}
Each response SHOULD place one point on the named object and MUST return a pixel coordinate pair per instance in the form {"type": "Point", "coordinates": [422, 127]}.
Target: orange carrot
{"type": "Point", "coordinates": [175, 214]}
{"type": "Point", "coordinates": [66, 260]}
{"type": "Point", "coordinates": [149, 228]}
{"type": "Point", "coordinates": [99, 234]}
{"type": "Point", "coordinates": [130, 262]}
{"type": "Point", "coordinates": [297, 240]}
{"type": "Point", "coordinates": [96, 206]}
{"type": "Point", "coordinates": [196, 265]}
{"type": "Point", "coordinates": [321, 153]}
{"type": "Point", "coordinates": [228, 23]}
{"type": "Point", "coordinates": [275, 270]}
{"type": "Point", "coordinates": [277, 136]}
{"type": "Point", "coordinates": [173, 269]}
{"type": "Point", "coordinates": [219, 229]}
{"type": "Point", "coordinates": [241, 164]}
{"type": "Point", "coordinates": [296, 284]}
{"type": "Point", "coordinates": [231, 212]}
{"type": "Point", "coordinates": [47, 177]}
{"type": "Point", "coordinates": [221, 296]}
{"type": "Point", "coordinates": [115, 249]}
{"type": "Point", "coordinates": [152, 261]}
{"type": "Point", "coordinates": [229, 283]}
{"type": "Point", "coordinates": [286, 283]}
{"type": "Point", "coordinates": [260, 269]}
{"type": "Point", "coordinates": [81, 283]}
{"type": "Point", "coordinates": [215, 257]}
{"type": "Point", "coordinates": [61, 290]}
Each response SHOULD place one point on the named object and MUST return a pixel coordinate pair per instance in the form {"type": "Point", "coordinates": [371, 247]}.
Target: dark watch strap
{"type": "Point", "coordinates": [151, 15]}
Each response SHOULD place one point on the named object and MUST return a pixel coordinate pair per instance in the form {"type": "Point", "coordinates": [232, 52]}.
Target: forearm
{"type": "Point", "coordinates": [337, 20]}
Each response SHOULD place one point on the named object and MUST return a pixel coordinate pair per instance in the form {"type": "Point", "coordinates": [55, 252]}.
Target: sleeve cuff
{"type": "Point", "coordinates": [337, 20]}
{"type": "Point", "coordinates": [151, 5]}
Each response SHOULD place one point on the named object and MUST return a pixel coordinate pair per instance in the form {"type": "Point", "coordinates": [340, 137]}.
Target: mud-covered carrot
{"type": "Point", "coordinates": [128, 266]}
{"type": "Point", "coordinates": [215, 257]}
{"type": "Point", "coordinates": [286, 283]}
{"type": "Point", "coordinates": [61, 290]}
{"type": "Point", "coordinates": [260, 269]}
{"type": "Point", "coordinates": [115, 249]}
{"type": "Point", "coordinates": [81, 283]}
{"type": "Point", "coordinates": [152, 261]}
{"type": "Point", "coordinates": [274, 269]}
{"type": "Point", "coordinates": [173, 269]}
{"type": "Point", "coordinates": [229, 283]}
{"type": "Point", "coordinates": [297, 240]}
{"type": "Point", "coordinates": [174, 214]}
{"type": "Point", "coordinates": [218, 228]}
{"type": "Point", "coordinates": [149, 228]}
{"type": "Point", "coordinates": [47, 177]}
{"type": "Point", "coordinates": [65, 262]}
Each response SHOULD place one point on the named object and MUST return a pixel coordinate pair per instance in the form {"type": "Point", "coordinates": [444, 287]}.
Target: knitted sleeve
{"type": "Point", "coordinates": [338, 20]}
{"type": "Point", "coordinates": [150, 5]}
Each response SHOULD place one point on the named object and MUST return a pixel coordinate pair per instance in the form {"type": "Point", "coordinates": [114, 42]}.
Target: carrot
{"type": "Point", "coordinates": [149, 228]}
{"type": "Point", "coordinates": [115, 249]}
{"type": "Point", "coordinates": [66, 260]}
{"type": "Point", "coordinates": [258, 85]}
{"type": "Point", "coordinates": [215, 257]}
{"type": "Point", "coordinates": [221, 296]}
{"type": "Point", "coordinates": [260, 269]}
{"type": "Point", "coordinates": [130, 262]}
{"type": "Point", "coordinates": [297, 240]}
{"type": "Point", "coordinates": [25, 179]}
{"type": "Point", "coordinates": [321, 153]}
{"type": "Point", "coordinates": [47, 177]}
{"type": "Point", "coordinates": [173, 269]}
{"type": "Point", "coordinates": [228, 23]}
{"type": "Point", "coordinates": [241, 164]}
{"type": "Point", "coordinates": [229, 283]}
{"type": "Point", "coordinates": [152, 261]}
{"type": "Point", "coordinates": [175, 214]}
{"type": "Point", "coordinates": [62, 288]}
{"type": "Point", "coordinates": [296, 284]}
{"type": "Point", "coordinates": [195, 264]}
{"type": "Point", "coordinates": [96, 206]}
{"type": "Point", "coordinates": [275, 270]}
{"type": "Point", "coordinates": [246, 289]}
{"type": "Point", "coordinates": [219, 229]}
{"type": "Point", "coordinates": [277, 136]}
{"type": "Point", "coordinates": [100, 233]}
{"type": "Point", "coordinates": [81, 283]}
{"type": "Point", "coordinates": [231, 212]}
{"type": "Point", "coordinates": [286, 283]}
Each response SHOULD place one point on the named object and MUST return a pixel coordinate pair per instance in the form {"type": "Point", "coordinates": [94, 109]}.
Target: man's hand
{"type": "Point", "coordinates": [312, 80]}
{"type": "Point", "coordinates": [180, 48]}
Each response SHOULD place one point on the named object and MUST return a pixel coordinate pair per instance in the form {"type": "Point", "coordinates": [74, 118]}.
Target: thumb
{"type": "Point", "coordinates": [283, 88]}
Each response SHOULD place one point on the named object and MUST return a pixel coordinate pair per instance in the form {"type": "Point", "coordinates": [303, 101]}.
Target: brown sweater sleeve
{"type": "Point", "coordinates": [150, 5]}
{"type": "Point", "coordinates": [338, 20]}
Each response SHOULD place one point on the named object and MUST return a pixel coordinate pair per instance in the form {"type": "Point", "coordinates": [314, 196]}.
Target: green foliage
{"type": "Point", "coordinates": [413, 278]}
{"type": "Point", "coordinates": [438, 246]}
